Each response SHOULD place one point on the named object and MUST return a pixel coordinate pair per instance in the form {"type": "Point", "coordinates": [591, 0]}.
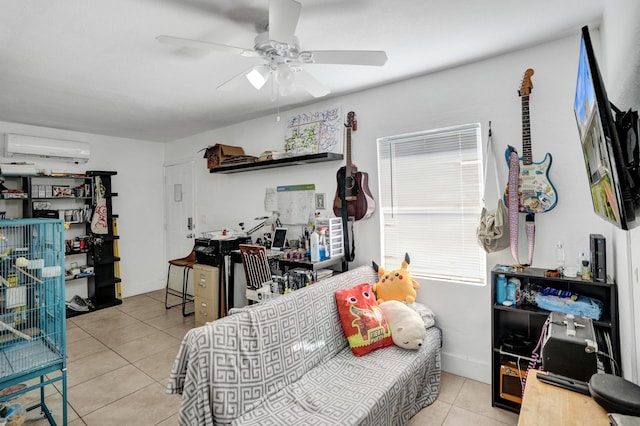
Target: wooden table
{"type": "Point", "coordinates": [544, 404]}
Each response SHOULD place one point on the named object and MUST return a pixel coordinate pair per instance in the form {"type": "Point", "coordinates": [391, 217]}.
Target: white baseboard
{"type": "Point", "coordinates": [470, 368]}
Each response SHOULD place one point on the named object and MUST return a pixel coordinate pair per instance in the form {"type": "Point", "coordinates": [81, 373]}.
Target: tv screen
{"type": "Point", "coordinates": [610, 190]}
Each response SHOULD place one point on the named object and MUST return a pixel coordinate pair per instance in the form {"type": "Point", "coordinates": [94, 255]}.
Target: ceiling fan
{"type": "Point", "coordinates": [280, 49]}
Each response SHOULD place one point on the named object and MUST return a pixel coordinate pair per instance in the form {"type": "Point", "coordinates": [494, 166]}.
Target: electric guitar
{"type": "Point", "coordinates": [360, 203]}
{"type": "Point", "coordinates": [536, 193]}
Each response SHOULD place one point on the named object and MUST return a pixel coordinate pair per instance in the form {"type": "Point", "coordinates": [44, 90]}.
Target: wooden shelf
{"type": "Point", "coordinates": [280, 162]}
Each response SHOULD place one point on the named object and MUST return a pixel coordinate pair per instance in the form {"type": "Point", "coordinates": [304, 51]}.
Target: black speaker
{"type": "Point", "coordinates": [598, 257]}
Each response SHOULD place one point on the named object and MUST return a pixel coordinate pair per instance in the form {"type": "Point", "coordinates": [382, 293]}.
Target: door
{"type": "Point", "coordinates": [633, 240]}
{"type": "Point", "coordinates": [179, 209]}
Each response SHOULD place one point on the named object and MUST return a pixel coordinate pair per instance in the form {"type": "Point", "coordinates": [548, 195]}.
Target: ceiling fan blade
{"type": "Point", "coordinates": [283, 19]}
{"type": "Point", "coordinates": [309, 83]}
{"type": "Point", "coordinates": [198, 44]}
{"type": "Point", "coordinates": [346, 57]}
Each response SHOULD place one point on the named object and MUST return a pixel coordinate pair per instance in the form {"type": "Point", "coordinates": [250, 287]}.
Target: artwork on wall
{"type": "Point", "coordinates": [314, 132]}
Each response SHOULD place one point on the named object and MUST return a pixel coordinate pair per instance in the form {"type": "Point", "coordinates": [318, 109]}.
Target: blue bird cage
{"type": "Point", "coordinates": [32, 309]}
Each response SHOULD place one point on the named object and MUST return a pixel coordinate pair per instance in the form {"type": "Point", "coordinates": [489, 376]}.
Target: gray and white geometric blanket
{"type": "Point", "coordinates": [287, 361]}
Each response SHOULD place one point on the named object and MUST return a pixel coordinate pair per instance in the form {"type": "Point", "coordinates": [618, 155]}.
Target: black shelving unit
{"type": "Point", "coordinates": [527, 320]}
{"type": "Point", "coordinates": [102, 285]}
{"type": "Point", "coordinates": [280, 162]}
{"type": "Point", "coordinates": [103, 288]}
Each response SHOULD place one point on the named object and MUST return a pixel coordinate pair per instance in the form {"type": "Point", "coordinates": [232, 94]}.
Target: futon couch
{"type": "Point", "coordinates": [287, 362]}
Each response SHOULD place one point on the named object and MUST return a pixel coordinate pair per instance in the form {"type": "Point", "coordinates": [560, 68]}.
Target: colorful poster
{"type": "Point", "coordinates": [314, 132]}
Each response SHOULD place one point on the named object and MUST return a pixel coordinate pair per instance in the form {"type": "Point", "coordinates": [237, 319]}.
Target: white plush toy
{"type": "Point", "coordinates": [407, 327]}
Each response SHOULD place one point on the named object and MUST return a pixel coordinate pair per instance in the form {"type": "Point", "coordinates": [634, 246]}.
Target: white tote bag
{"type": "Point", "coordinates": [493, 228]}
{"type": "Point", "coordinates": [99, 219]}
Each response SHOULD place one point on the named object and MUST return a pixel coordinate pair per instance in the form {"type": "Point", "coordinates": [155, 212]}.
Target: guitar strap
{"type": "Point", "coordinates": [349, 254]}
{"type": "Point", "coordinates": [514, 212]}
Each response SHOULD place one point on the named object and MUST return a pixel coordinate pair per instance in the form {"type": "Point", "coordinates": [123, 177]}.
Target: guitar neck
{"type": "Point", "coordinates": [527, 157]}
{"type": "Point", "coordinates": [348, 166]}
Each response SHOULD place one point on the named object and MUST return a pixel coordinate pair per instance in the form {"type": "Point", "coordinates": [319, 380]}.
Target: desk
{"type": "Point", "coordinates": [281, 266]}
{"type": "Point", "coordinates": [544, 404]}
{"type": "Point", "coordinates": [313, 266]}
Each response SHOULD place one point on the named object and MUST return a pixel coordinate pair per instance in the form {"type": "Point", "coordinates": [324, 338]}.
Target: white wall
{"type": "Point", "coordinates": [139, 204]}
{"type": "Point", "coordinates": [474, 93]}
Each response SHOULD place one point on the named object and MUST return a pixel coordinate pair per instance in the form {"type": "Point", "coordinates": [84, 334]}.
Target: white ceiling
{"type": "Point", "coordinates": [95, 66]}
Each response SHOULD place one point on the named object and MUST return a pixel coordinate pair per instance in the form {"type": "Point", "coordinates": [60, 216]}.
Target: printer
{"type": "Point", "coordinates": [570, 348]}
{"type": "Point", "coordinates": [209, 251]}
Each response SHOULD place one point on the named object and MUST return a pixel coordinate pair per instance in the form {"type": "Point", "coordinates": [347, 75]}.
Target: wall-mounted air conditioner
{"type": "Point", "coordinates": [55, 149]}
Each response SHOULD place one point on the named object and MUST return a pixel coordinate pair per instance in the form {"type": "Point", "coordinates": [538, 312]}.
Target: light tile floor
{"type": "Point", "coordinates": [119, 361]}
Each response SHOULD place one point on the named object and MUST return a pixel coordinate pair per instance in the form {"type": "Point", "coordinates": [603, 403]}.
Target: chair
{"type": "Point", "coordinates": [256, 266]}
{"type": "Point", "coordinates": [187, 264]}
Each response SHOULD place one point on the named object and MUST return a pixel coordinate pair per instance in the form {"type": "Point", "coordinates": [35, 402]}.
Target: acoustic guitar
{"type": "Point", "coordinates": [536, 193]}
{"type": "Point", "coordinates": [360, 203]}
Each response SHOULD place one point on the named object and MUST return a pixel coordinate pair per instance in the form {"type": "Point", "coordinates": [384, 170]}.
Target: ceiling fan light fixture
{"type": "Point", "coordinates": [285, 79]}
{"type": "Point", "coordinates": [258, 76]}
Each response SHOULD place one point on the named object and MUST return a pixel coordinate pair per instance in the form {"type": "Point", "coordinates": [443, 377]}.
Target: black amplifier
{"type": "Point", "coordinates": [570, 347]}
{"type": "Point", "coordinates": [228, 245]}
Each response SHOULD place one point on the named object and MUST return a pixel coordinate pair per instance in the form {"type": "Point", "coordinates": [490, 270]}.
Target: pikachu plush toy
{"type": "Point", "coordinates": [396, 284]}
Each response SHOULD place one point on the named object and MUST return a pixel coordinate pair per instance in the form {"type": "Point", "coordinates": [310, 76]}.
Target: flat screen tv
{"type": "Point", "coordinates": [609, 181]}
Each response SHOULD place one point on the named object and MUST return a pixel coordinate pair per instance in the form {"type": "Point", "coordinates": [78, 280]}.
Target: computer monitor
{"type": "Point", "coordinates": [279, 239]}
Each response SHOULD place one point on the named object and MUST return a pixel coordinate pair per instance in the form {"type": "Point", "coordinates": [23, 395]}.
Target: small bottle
{"type": "Point", "coordinates": [516, 282]}
{"type": "Point", "coordinates": [511, 293]}
{"type": "Point", "coordinates": [327, 244]}
{"type": "Point", "coordinates": [559, 257]}
{"type": "Point", "coordinates": [322, 235]}
{"type": "Point", "coordinates": [584, 267]}
{"type": "Point", "coordinates": [501, 289]}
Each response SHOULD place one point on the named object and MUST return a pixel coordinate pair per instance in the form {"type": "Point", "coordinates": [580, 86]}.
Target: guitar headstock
{"type": "Point", "coordinates": [527, 84]}
{"type": "Point", "coordinates": [351, 121]}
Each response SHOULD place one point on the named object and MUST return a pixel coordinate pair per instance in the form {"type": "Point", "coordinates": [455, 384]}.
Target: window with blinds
{"type": "Point", "coordinates": [430, 202]}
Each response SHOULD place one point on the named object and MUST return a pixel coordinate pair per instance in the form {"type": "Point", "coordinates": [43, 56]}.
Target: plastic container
{"type": "Point", "coordinates": [314, 247]}
{"type": "Point", "coordinates": [501, 289]}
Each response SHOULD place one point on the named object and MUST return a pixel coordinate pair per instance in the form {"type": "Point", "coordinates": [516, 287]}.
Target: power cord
{"type": "Point", "coordinates": [536, 353]}
{"type": "Point", "coordinates": [614, 362]}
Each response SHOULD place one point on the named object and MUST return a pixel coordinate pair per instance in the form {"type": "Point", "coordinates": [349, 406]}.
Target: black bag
{"type": "Point", "coordinates": [615, 394]}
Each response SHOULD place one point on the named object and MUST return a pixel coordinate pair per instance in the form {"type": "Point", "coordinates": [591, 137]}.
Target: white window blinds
{"type": "Point", "coordinates": [430, 202]}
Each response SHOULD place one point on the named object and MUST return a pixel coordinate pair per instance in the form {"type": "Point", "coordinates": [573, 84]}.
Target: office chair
{"type": "Point", "coordinates": [256, 266]}
{"type": "Point", "coordinates": [187, 264]}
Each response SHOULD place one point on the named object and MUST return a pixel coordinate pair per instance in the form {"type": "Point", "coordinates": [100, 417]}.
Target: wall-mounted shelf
{"type": "Point", "coordinates": [280, 162]}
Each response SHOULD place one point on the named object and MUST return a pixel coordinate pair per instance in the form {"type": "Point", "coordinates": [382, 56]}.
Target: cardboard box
{"type": "Point", "coordinates": [216, 154]}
